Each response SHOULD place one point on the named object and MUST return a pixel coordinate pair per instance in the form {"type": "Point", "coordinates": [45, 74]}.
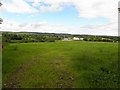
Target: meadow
{"type": "Point", "coordinates": [62, 64]}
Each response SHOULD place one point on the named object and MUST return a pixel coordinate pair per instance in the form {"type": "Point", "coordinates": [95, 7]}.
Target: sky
{"type": "Point", "coordinates": [94, 17]}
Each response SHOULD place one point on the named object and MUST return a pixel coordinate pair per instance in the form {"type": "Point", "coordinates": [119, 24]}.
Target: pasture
{"type": "Point", "coordinates": [62, 64]}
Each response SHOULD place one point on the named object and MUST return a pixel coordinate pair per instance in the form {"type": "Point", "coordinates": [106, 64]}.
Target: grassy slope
{"type": "Point", "coordinates": [60, 64]}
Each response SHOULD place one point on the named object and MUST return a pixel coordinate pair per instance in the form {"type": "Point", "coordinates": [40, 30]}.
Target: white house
{"type": "Point", "coordinates": [82, 39]}
{"type": "Point", "coordinates": [66, 39]}
{"type": "Point", "coordinates": [76, 38]}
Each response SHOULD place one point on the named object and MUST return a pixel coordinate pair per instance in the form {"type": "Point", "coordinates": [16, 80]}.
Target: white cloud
{"type": "Point", "coordinates": [97, 8]}
{"type": "Point", "coordinates": [108, 29]}
{"type": "Point", "coordinates": [36, 2]}
{"type": "Point", "coordinates": [89, 9]}
{"type": "Point", "coordinates": [17, 6]}
{"type": "Point", "coordinates": [32, 27]}
{"type": "Point", "coordinates": [52, 8]}
{"type": "Point", "coordinates": [86, 8]}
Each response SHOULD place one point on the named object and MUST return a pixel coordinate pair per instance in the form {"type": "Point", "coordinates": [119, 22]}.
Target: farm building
{"type": "Point", "coordinates": [76, 38]}
{"type": "Point", "coordinates": [81, 38]}
{"type": "Point", "coordinates": [67, 39]}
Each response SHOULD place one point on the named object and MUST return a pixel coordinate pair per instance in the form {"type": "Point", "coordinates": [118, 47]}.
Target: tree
{"type": "Point", "coordinates": [1, 18]}
{"type": "Point", "coordinates": [0, 4]}
{"type": "Point", "coordinates": [119, 10]}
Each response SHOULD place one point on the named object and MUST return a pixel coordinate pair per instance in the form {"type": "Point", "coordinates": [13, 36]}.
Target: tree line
{"type": "Point", "coordinates": [13, 37]}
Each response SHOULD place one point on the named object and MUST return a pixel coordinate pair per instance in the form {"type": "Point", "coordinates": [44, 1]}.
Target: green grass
{"type": "Point", "coordinates": [70, 64]}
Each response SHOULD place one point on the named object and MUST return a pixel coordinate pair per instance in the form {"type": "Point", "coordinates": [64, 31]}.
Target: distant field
{"type": "Point", "coordinates": [64, 64]}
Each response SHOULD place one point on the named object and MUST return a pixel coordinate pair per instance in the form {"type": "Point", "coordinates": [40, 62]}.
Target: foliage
{"type": "Point", "coordinates": [50, 37]}
{"type": "Point", "coordinates": [1, 18]}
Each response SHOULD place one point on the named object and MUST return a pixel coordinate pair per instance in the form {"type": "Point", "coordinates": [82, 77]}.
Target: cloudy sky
{"type": "Point", "coordinates": [96, 17]}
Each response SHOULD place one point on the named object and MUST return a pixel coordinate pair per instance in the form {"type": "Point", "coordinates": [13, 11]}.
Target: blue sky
{"type": "Point", "coordinates": [72, 16]}
{"type": "Point", "coordinates": [68, 16]}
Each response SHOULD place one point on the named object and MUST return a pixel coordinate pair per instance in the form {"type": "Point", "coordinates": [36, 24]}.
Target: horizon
{"type": "Point", "coordinates": [57, 33]}
{"type": "Point", "coordinates": [61, 16]}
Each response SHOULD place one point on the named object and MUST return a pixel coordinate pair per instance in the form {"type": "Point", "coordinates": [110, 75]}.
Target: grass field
{"type": "Point", "coordinates": [64, 64]}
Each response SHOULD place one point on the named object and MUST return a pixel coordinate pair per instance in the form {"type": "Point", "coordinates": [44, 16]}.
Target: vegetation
{"type": "Point", "coordinates": [1, 18]}
{"type": "Point", "coordinates": [44, 60]}
{"type": "Point", "coordinates": [60, 64]}
{"type": "Point", "coordinates": [22, 37]}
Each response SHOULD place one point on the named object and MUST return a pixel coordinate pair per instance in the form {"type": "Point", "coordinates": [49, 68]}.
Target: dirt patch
{"type": "Point", "coordinates": [66, 78]}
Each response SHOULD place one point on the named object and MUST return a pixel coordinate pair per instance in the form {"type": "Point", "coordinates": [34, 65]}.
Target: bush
{"type": "Point", "coordinates": [51, 40]}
